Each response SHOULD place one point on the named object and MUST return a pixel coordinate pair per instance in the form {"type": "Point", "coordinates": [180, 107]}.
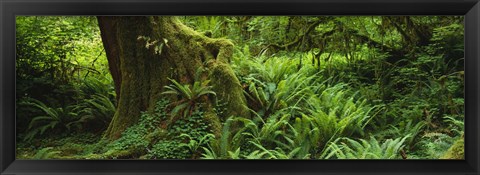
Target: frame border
{"type": "Point", "coordinates": [11, 8]}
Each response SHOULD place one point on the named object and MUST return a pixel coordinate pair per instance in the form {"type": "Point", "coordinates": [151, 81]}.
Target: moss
{"type": "Point", "coordinates": [93, 156]}
{"type": "Point", "coordinates": [216, 125]}
{"type": "Point", "coordinates": [71, 149]}
{"type": "Point", "coordinates": [25, 153]}
{"type": "Point", "coordinates": [221, 49]}
{"type": "Point", "coordinates": [119, 154]}
{"type": "Point", "coordinates": [156, 135]}
{"type": "Point", "coordinates": [228, 90]}
{"type": "Point", "coordinates": [144, 72]}
{"type": "Point", "coordinates": [133, 65]}
{"type": "Point", "coordinates": [456, 151]}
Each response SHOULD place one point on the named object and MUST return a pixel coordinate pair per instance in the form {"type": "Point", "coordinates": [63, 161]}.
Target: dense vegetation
{"type": "Point", "coordinates": [321, 87]}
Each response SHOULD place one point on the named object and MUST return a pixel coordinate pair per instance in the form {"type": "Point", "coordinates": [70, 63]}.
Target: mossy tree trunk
{"type": "Point", "coordinates": [144, 51]}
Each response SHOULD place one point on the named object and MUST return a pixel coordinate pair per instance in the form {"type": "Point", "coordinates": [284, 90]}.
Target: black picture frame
{"type": "Point", "coordinates": [10, 8]}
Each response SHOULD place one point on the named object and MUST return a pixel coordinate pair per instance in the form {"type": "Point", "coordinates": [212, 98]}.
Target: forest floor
{"type": "Point", "coordinates": [63, 146]}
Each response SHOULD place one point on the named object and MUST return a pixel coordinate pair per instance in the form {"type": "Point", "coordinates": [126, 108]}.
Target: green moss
{"type": "Point", "coordinates": [119, 154]}
{"type": "Point", "coordinates": [215, 124]}
{"type": "Point", "coordinates": [228, 90]}
{"type": "Point", "coordinates": [156, 135]}
{"type": "Point", "coordinates": [456, 151]}
{"type": "Point", "coordinates": [145, 72]}
{"type": "Point", "coordinates": [168, 149]}
{"type": "Point", "coordinates": [221, 49]}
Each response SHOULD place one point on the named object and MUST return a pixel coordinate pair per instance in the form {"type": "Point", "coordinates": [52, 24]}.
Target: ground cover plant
{"type": "Point", "coordinates": [240, 87]}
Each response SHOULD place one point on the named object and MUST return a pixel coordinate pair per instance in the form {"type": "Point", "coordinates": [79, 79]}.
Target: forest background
{"type": "Point", "coordinates": [313, 87]}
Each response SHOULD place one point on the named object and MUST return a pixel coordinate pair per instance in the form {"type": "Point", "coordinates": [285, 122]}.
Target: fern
{"type": "Point", "coordinates": [98, 109]}
{"type": "Point", "coordinates": [46, 153]}
{"type": "Point", "coordinates": [220, 147]}
{"type": "Point", "coordinates": [190, 95]}
{"type": "Point", "coordinates": [434, 144]}
{"type": "Point", "coordinates": [193, 144]}
{"type": "Point", "coordinates": [52, 118]}
{"type": "Point", "coordinates": [346, 148]}
{"type": "Point", "coordinates": [277, 153]}
{"type": "Point", "coordinates": [456, 125]}
{"type": "Point", "coordinates": [91, 86]}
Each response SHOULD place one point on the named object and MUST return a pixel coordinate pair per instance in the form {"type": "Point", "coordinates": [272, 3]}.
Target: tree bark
{"type": "Point", "coordinates": [144, 51]}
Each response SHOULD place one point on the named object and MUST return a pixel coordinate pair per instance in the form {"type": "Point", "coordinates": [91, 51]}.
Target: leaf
{"type": "Point", "coordinates": [158, 49]}
{"type": "Point", "coordinates": [178, 108]}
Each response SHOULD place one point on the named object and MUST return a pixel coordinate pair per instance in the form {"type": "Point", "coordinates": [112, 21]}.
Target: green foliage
{"type": "Point", "coordinates": [414, 130]}
{"type": "Point", "coordinates": [211, 26]}
{"type": "Point", "coordinates": [193, 145]}
{"type": "Point", "coordinates": [195, 126]}
{"type": "Point", "coordinates": [283, 135]}
{"type": "Point", "coordinates": [132, 139]}
{"type": "Point", "coordinates": [138, 138]}
{"type": "Point", "coordinates": [277, 153]}
{"type": "Point", "coordinates": [436, 144]}
{"type": "Point", "coordinates": [168, 150]}
{"type": "Point", "coordinates": [97, 86]}
{"type": "Point", "coordinates": [45, 153]}
{"type": "Point", "coordinates": [183, 138]}
{"type": "Point", "coordinates": [190, 96]}
{"type": "Point", "coordinates": [52, 52]}
{"type": "Point", "coordinates": [345, 148]}
{"type": "Point", "coordinates": [221, 148]}
{"type": "Point", "coordinates": [51, 118]}
{"type": "Point", "coordinates": [150, 139]}
{"type": "Point", "coordinates": [98, 109]}
{"type": "Point", "coordinates": [323, 87]}
{"type": "Point", "coordinates": [456, 151]}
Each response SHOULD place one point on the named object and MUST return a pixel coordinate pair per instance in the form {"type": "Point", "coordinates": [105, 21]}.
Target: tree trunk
{"type": "Point", "coordinates": [144, 51]}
